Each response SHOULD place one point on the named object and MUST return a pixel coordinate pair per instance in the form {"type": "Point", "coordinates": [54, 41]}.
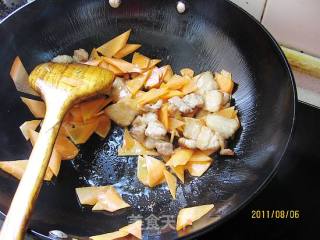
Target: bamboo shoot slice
{"type": "Point", "coordinates": [155, 170]}
{"type": "Point", "coordinates": [104, 126]}
{"type": "Point", "coordinates": [140, 60]}
{"type": "Point", "coordinates": [89, 195]}
{"type": "Point", "coordinates": [200, 156]}
{"type": "Point", "coordinates": [80, 133]}
{"type": "Point", "coordinates": [123, 65]}
{"type": "Point", "coordinates": [197, 169]}
{"type": "Point", "coordinates": [179, 172]}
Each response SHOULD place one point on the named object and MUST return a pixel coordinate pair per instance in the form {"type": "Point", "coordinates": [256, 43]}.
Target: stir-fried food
{"type": "Point", "coordinates": [173, 122]}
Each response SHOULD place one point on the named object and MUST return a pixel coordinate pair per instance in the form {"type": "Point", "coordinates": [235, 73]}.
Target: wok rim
{"type": "Point", "coordinates": [267, 180]}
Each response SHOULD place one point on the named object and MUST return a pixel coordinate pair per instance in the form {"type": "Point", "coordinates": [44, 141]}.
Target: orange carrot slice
{"type": "Point", "coordinates": [137, 83]}
{"type": "Point", "coordinates": [163, 115]}
{"type": "Point", "coordinates": [37, 108]}
{"type": "Point", "coordinates": [173, 93]}
{"type": "Point", "coordinates": [152, 95]}
{"type": "Point", "coordinates": [123, 65]}
{"type": "Point", "coordinates": [26, 126]}
{"type": "Point", "coordinates": [80, 133]}
{"type": "Point", "coordinates": [180, 157]}
{"type": "Point", "coordinates": [90, 108]}
{"type": "Point", "coordinates": [172, 183]}
{"type": "Point", "coordinates": [187, 216]}
{"type": "Point", "coordinates": [66, 148]}
{"type": "Point", "coordinates": [104, 126]}
{"type": "Point", "coordinates": [129, 48]}
{"type": "Point", "coordinates": [224, 81]}
{"type": "Point", "coordinates": [113, 46]}
{"type": "Point", "coordinates": [20, 77]}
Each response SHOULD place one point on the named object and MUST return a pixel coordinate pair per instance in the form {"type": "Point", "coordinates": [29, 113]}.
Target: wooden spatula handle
{"type": "Point", "coordinates": [14, 226]}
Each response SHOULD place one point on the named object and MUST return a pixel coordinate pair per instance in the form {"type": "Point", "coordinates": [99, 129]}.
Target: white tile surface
{"type": "Point", "coordinates": [254, 7]}
{"type": "Point", "coordinates": [295, 23]}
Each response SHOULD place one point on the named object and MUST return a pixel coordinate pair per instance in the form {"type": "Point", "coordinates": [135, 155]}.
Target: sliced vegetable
{"type": "Point", "coordinates": [187, 216]}
{"type": "Point", "coordinates": [132, 147]}
{"type": "Point", "coordinates": [126, 50]}
{"type": "Point", "coordinates": [175, 123]}
{"type": "Point", "coordinates": [29, 125]}
{"type": "Point", "coordinates": [37, 108]}
{"type": "Point", "coordinates": [229, 112]}
{"type": "Point", "coordinates": [197, 169]}
{"type": "Point", "coordinates": [110, 201]}
{"type": "Point", "coordinates": [134, 229]}
{"type": "Point", "coordinates": [66, 148]}
{"type": "Point", "coordinates": [179, 172]}
{"type": "Point", "coordinates": [20, 77]}
{"type": "Point", "coordinates": [94, 54]}
{"type": "Point", "coordinates": [113, 46]}
{"type": "Point", "coordinates": [152, 95]}
{"type": "Point", "coordinates": [172, 183]}
{"type": "Point", "coordinates": [80, 133]}
{"type": "Point", "coordinates": [155, 170]}
{"type": "Point", "coordinates": [224, 81]}
{"type": "Point", "coordinates": [163, 115]}
{"type": "Point", "coordinates": [180, 157]}
{"type": "Point", "coordinates": [187, 72]}
{"type": "Point", "coordinates": [91, 108]}
{"type": "Point", "coordinates": [137, 83]}
{"type": "Point", "coordinates": [168, 74]}
{"type": "Point", "coordinates": [172, 93]}
{"type": "Point", "coordinates": [190, 87]}
{"type": "Point", "coordinates": [200, 156]}
{"type": "Point", "coordinates": [89, 195]}
{"type": "Point", "coordinates": [55, 162]}
{"type": "Point", "coordinates": [123, 112]}
{"type": "Point", "coordinates": [140, 60]}
{"type": "Point", "coordinates": [104, 125]}
{"type": "Point", "coordinates": [123, 65]}
{"type": "Point", "coordinates": [176, 82]}
{"type": "Point", "coordinates": [153, 63]}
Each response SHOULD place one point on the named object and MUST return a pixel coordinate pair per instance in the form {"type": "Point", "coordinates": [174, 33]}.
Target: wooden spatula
{"type": "Point", "coordinates": [60, 85]}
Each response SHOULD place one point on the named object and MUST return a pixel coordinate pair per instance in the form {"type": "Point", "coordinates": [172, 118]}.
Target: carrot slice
{"type": "Point", "coordinates": [137, 83]}
{"type": "Point", "coordinates": [128, 48]}
{"type": "Point", "coordinates": [163, 115]}
{"type": "Point", "coordinates": [187, 216]}
{"type": "Point", "coordinates": [113, 46]}
{"type": "Point", "coordinates": [14, 168]}
{"type": "Point", "coordinates": [123, 65]}
{"type": "Point", "coordinates": [80, 133]}
{"type": "Point", "coordinates": [94, 54]}
{"type": "Point", "coordinates": [190, 87]}
{"type": "Point", "coordinates": [76, 114]}
{"type": "Point", "coordinates": [37, 108]}
{"type": "Point", "coordinates": [90, 108]}
{"type": "Point", "coordinates": [20, 77]}
{"type": "Point", "coordinates": [140, 60]}
{"type": "Point", "coordinates": [197, 169]}
{"type": "Point", "coordinates": [133, 229]}
{"type": "Point", "coordinates": [169, 73]}
{"type": "Point", "coordinates": [176, 82]}
{"type": "Point", "coordinates": [18, 167]}
{"type": "Point", "coordinates": [172, 183]}
{"type": "Point", "coordinates": [110, 201]}
{"type": "Point", "coordinates": [55, 162]}
{"type": "Point", "coordinates": [187, 72]}
{"type": "Point", "coordinates": [224, 81]}
{"type": "Point", "coordinates": [174, 123]}
{"type": "Point", "coordinates": [152, 95]}
{"type": "Point", "coordinates": [155, 170]}
{"type": "Point", "coordinates": [89, 195]}
{"type": "Point", "coordinates": [229, 112]}
{"type": "Point", "coordinates": [200, 156]}
{"type": "Point", "coordinates": [153, 63]}
{"type": "Point", "coordinates": [104, 126]}
{"type": "Point", "coordinates": [173, 93]}
{"type": "Point", "coordinates": [132, 147]}
{"type": "Point", "coordinates": [26, 126]}
{"type": "Point", "coordinates": [66, 148]}
{"type": "Point", "coordinates": [180, 157]}
{"type": "Point", "coordinates": [179, 172]}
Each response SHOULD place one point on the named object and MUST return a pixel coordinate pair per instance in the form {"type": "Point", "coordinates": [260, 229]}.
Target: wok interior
{"type": "Point", "coordinates": [208, 37]}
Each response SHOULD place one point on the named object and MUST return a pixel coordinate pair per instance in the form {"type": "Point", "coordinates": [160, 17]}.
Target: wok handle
{"type": "Point", "coordinates": [14, 226]}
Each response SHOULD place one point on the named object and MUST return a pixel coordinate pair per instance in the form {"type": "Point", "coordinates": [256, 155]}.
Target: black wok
{"type": "Point", "coordinates": [210, 35]}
